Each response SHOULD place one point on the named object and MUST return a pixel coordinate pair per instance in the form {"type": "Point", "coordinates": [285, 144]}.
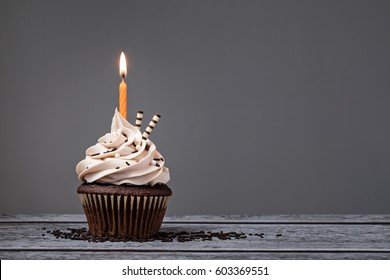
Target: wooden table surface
{"type": "Point", "coordinates": [284, 237]}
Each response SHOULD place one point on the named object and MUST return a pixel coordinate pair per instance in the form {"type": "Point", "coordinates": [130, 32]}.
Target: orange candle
{"type": "Point", "coordinates": [123, 87]}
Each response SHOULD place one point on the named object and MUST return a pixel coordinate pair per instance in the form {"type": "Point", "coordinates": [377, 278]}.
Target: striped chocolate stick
{"type": "Point", "coordinates": [138, 121]}
{"type": "Point", "coordinates": [150, 127]}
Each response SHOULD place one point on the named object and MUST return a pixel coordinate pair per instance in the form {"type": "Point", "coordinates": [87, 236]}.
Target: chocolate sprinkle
{"type": "Point", "coordinates": [127, 163]}
{"type": "Point", "coordinates": [182, 236]}
{"type": "Point", "coordinates": [124, 134]}
{"type": "Point", "coordinates": [117, 167]}
{"type": "Point", "coordinates": [95, 154]}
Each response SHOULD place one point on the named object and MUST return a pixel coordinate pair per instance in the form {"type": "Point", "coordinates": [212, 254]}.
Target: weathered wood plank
{"type": "Point", "coordinates": [302, 237]}
{"type": "Point", "coordinates": [202, 250]}
{"type": "Point", "coordinates": [39, 218]}
{"type": "Point", "coordinates": [102, 255]}
{"type": "Point", "coordinates": [234, 219]}
{"type": "Point", "coordinates": [282, 219]}
{"type": "Point", "coordinates": [358, 237]}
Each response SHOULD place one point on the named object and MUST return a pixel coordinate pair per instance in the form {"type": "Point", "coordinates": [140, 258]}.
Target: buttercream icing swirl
{"type": "Point", "coordinates": [123, 157]}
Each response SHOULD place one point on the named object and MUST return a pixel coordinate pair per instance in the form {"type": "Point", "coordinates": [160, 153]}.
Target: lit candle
{"type": "Point", "coordinates": [123, 87]}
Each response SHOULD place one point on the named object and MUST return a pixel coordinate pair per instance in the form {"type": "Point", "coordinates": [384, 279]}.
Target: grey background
{"type": "Point", "coordinates": [268, 106]}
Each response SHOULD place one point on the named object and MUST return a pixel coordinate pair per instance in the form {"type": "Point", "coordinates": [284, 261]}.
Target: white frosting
{"type": "Point", "coordinates": [123, 157]}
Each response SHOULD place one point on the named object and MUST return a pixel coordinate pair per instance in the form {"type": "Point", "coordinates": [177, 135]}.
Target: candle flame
{"type": "Point", "coordinates": [122, 65]}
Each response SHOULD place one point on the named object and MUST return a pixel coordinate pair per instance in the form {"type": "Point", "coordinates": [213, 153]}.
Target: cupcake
{"type": "Point", "coordinates": [124, 192]}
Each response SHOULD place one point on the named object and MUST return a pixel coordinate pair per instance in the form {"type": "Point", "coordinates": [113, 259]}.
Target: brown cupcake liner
{"type": "Point", "coordinates": [124, 216]}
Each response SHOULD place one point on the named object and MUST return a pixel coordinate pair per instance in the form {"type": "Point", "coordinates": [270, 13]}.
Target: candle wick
{"type": "Point", "coordinates": [123, 77]}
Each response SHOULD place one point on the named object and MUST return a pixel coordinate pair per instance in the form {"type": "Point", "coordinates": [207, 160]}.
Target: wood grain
{"type": "Point", "coordinates": [102, 255]}
{"type": "Point", "coordinates": [302, 237]}
{"type": "Point", "coordinates": [267, 219]}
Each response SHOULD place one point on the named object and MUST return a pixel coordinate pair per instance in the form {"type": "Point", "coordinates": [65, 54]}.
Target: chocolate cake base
{"type": "Point", "coordinates": [124, 211]}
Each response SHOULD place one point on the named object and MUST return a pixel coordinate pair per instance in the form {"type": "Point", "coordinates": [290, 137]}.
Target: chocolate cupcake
{"type": "Point", "coordinates": [124, 194]}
